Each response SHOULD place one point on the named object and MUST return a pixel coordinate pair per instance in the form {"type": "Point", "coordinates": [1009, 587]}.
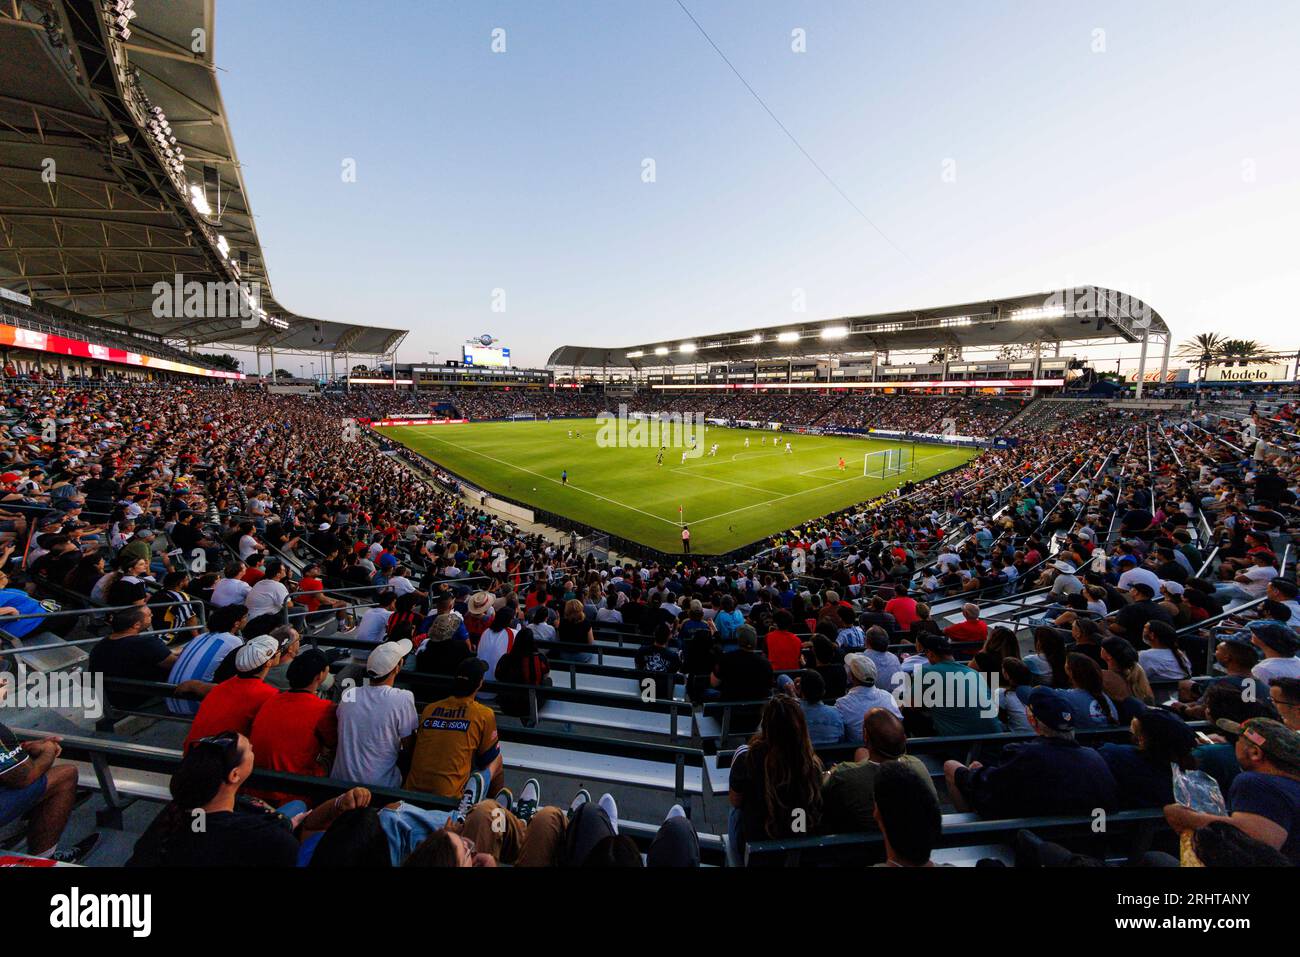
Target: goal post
{"type": "Point", "coordinates": [886, 462]}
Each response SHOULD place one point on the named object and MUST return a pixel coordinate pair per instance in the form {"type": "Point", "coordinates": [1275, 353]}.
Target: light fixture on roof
{"type": "Point", "coordinates": [835, 332]}
{"type": "Point", "coordinates": [1037, 312]}
{"type": "Point", "coordinates": [635, 355]}
{"type": "Point", "coordinates": [756, 338]}
{"type": "Point", "coordinates": [120, 13]}
{"type": "Point", "coordinates": [223, 247]}
{"type": "Point", "coordinates": [661, 351]}
{"type": "Point", "coordinates": [199, 199]}
{"type": "Point", "coordinates": [788, 337]}
{"type": "Point", "coordinates": [687, 347]}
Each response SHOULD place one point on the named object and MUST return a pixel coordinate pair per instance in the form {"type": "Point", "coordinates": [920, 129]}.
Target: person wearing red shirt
{"type": "Point", "coordinates": [297, 731]}
{"type": "Point", "coordinates": [970, 628]}
{"type": "Point", "coordinates": [253, 574]}
{"type": "Point", "coordinates": [233, 704]}
{"type": "Point", "coordinates": [902, 608]}
{"type": "Point", "coordinates": [783, 645]}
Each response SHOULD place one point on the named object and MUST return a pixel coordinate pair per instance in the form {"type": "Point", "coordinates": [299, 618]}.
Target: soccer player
{"type": "Point", "coordinates": [841, 463]}
{"type": "Point", "coordinates": [787, 447]}
{"type": "Point", "coordinates": [684, 451]}
{"type": "Point", "coordinates": [747, 441]}
{"type": "Point", "coordinates": [570, 433]}
{"type": "Point", "coordinates": [659, 459]}
{"type": "Point", "coordinates": [564, 476]}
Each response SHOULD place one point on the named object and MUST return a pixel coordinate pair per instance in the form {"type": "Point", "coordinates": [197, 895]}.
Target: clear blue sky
{"type": "Point", "coordinates": [1167, 166]}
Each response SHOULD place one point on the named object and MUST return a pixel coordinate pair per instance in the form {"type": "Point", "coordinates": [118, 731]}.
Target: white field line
{"type": "Point", "coordinates": [698, 521]}
{"type": "Point", "coordinates": [546, 478]}
{"type": "Point", "coordinates": [817, 488]}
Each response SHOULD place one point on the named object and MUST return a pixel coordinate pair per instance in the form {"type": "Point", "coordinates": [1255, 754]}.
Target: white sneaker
{"type": "Point", "coordinates": [611, 809]}
{"type": "Point", "coordinates": [529, 800]}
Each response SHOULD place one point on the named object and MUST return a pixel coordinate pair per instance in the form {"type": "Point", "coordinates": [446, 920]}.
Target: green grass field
{"type": "Point", "coordinates": [736, 497]}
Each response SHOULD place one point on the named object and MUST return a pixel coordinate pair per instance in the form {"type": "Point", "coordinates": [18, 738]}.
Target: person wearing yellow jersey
{"type": "Point", "coordinates": [456, 737]}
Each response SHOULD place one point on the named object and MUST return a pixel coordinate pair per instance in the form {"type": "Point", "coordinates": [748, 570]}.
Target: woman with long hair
{"type": "Point", "coordinates": [1048, 660]}
{"type": "Point", "coordinates": [1124, 676]}
{"type": "Point", "coordinates": [1088, 692]}
{"type": "Point", "coordinates": [1000, 644]}
{"type": "Point", "coordinates": [776, 781]}
{"type": "Point", "coordinates": [523, 664]}
{"type": "Point", "coordinates": [1162, 659]}
{"type": "Point", "coordinates": [574, 629]}
{"type": "Point", "coordinates": [497, 640]}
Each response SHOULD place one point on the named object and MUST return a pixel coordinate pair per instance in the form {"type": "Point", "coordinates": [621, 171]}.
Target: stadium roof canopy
{"type": "Point", "coordinates": [1082, 314]}
{"type": "Point", "coordinates": [94, 210]}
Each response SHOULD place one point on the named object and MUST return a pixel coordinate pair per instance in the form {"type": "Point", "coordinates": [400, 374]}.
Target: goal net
{"type": "Point", "coordinates": [885, 463]}
{"type": "Point", "coordinates": [522, 416]}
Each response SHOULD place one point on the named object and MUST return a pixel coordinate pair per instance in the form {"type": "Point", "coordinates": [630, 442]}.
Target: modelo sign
{"type": "Point", "coordinates": [1248, 373]}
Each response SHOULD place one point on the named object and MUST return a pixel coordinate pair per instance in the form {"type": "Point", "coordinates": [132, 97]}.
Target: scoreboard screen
{"type": "Point", "coordinates": [476, 355]}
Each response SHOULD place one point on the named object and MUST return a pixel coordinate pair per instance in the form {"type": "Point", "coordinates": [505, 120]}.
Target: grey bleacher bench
{"type": "Point", "coordinates": [1127, 832]}
{"type": "Point", "coordinates": [669, 767]}
{"type": "Point", "coordinates": [43, 651]}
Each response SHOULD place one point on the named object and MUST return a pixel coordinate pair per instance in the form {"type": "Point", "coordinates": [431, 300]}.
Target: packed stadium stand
{"type": "Point", "coordinates": [222, 556]}
{"type": "Point", "coordinates": [239, 627]}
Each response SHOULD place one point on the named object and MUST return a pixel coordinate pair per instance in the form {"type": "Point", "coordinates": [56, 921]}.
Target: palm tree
{"type": "Point", "coordinates": [1202, 349]}
{"type": "Point", "coordinates": [1242, 350]}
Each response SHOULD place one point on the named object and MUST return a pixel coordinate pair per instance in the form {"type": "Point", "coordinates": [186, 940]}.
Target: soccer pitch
{"type": "Point", "coordinates": [738, 496]}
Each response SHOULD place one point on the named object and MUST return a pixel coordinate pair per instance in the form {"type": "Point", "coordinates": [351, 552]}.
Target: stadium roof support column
{"type": "Point", "coordinates": [1142, 363]}
{"type": "Point", "coordinates": [273, 378]}
{"type": "Point", "coordinates": [1164, 362]}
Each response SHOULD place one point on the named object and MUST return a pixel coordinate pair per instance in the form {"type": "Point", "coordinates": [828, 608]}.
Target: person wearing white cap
{"type": "Point", "coordinates": [376, 721]}
{"type": "Point", "coordinates": [233, 704]}
{"type": "Point", "coordinates": [862, 696]}
{"type": "Point", "coordinates": [1066, 581]}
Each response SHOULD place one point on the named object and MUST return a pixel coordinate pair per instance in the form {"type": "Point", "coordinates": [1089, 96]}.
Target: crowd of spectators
{"type": "Point", "coordinates": [1159, 546]}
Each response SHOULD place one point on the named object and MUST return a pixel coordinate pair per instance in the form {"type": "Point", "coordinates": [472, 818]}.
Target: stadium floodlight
{"type": "Point", "coordinates": [1038, 312]}
{"type": "Point", "coordinates": [223, 247]}
{"type": "Point", "coordinates": [661, 351]}
{"type": "Point", "coordinates": [788, 337]}
{"type": "Point", "coordinates": [756, 339]}
{"type": "Point", "coordinates": [199, 199]}
{"type": "Point", "coordinates": [635, 355]}
{"type": "Point", "coordinates": [687, 347]}
{"type": "Point", "coordinates": [835, 332]}
{"type": "Point", "coordinates": [955, 321]}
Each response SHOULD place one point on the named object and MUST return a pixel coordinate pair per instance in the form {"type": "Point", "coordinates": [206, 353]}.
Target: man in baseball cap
{"type": "Point", "coordinates": [1277, 644]}
{"type": "Point", "coordinates": [376, 720]}
{"type": "Point", "coordinates": [385, 660]}
{"type": "Point", "coordinates": [456, 739]}
{"type": "Point", "coordinates": [233, 704]}
{"type": "Point", "coordinates": [862, 696]}
{"type": "Point", "coordinates": [1265, 798]}
{"type": "Point", "coordinates": [1052, 774]}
